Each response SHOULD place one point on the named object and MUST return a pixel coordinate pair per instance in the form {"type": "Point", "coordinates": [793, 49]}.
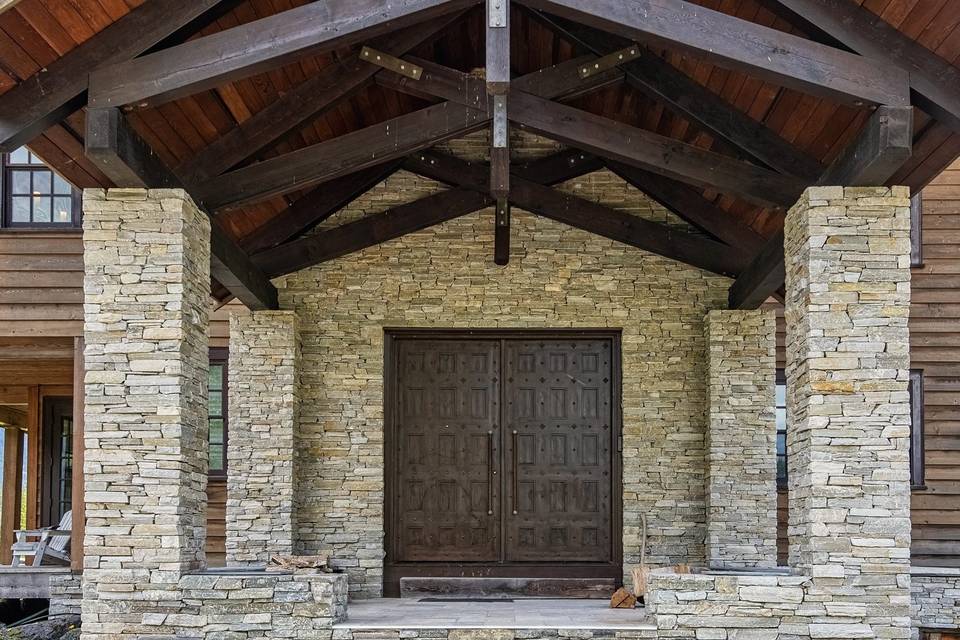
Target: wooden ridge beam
{"type": "Point", "coordinates": [741, 45]}
{"type": "Point", "coordinates": [658, 79]}
{"type": "Point", "coordinates": [870, 160]}
{"type": "Point", "coordinates": [310, 99]}
{"type": "Point", "coordinates": [586, 215]}
{"type": "Point", "coordinates": [468, 111]}
{"type": "Point", "coordinates": [59, 89]}
{"type": "Point", "coordinates": [316, 206]}
{"type": "Point", "coordinates": [690, 205]}
{"type": "Point", "coordinates": [256, 47]}
{"type": "Point", "coordinates": [130, 162]}
{"type": "Point", "coordinates": [935, 83]}
{"type": "Point", "coordinates": [370, 231]}
{"type": "Point", "coordinates": [647, 150]}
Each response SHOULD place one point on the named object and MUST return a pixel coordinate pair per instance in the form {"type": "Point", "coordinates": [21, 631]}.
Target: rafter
{"type": "Point", "coordinates": [255, 47]}
{"type": "Point", "coordinates": [130, 162]}
{"type": "Point", "coordinates": [310, 99]}
{"type": "Point", "coordinates": [386, 141]}
{"type": "Point", "coordinates": [647, 150]}
{"type": "Point", "coordinates": [59, 89]}
{"type": "Point", "coordinates": [882, 147]}
{"type": "Point", "coordinates": [738, 44]}
{"type": "Point", "coordinates": [690, 205]}
{"type": "Point", "coordinates": [658, 79]}
{"type": "Point", "coordinates": [586, 215]}
{"type": "Point", "coordinates": [316, 206]}
{"type": "Point", "coordinates": [934, 81]}
{"type": "Point", "coordinates": [407, 218]}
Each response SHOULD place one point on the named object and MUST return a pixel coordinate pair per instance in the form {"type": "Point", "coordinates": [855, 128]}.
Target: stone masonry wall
{"type": "Point", "coordinates": [848, 301]}
{"type": "Point", "coordinates": [146, 300]}
{"type": "Point", "coordinates": [444, 276]}
{"type": "Point", "coordinates": [264, 414]}
{"type": "Point", "coordinates": [935, 595]}
{"type": "Point", "coordinates": [741, 439]}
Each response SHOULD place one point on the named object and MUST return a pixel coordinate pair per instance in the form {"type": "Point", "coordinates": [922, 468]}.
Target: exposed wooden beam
{"type": "Point", "coordinates": [647, 150]}
{"type": "Point", "coordinates": [870, 160]}
{"type": "Point", "coordinates": [690, 205]}
{"type": "Point", "coordinates": [762, 277]}
{"type": "Point", "coordinates": [501, 233]}
{"type": "Point", "coordinates": [130, 162]}
{"type": "Point", "coordinates": [660, 80]}
{"type": "Point", "coordinates": [881, 149]}
{"type": "Point", "coordinates": [386, 141]}
{"type": "Point", "coordinates": [59, 89]}
{"type": "Point", "coordinates": [370, 231]}
{"type": "Point", "coordinates": [316, 206]}
{"type": "Point", "coordinates": [935, 83]}
{"type": "Point", "coordinates": [256, 47]}
{"type": "Point", "coordinates": [586, 215]}
{"type": "Point", "coordinates": [734, 43]}
{"type": "Point", "coordinates": [340, 156]}
{"type": "Point", "coordinates": [10, 417]}
{"type": "Point", "coordinates": [559, 167]}
{"type": "Point", "coordinates": [310, 99]}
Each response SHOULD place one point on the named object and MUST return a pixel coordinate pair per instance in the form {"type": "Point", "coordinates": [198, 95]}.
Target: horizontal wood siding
{"type": "Point", "coordinates": [935, 348]}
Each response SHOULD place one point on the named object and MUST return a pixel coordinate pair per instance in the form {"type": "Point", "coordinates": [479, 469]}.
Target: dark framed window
{"type": "Point", "coordinates": [34, 196]}
{"type": "Point", "coordinates": [781, 416]}
{"type": "Point", "coordinates": [916, 230]}
{"type": "Point", "coordinates": [217, 411]}
{"type": "Point", "coordinates": [917, 471]}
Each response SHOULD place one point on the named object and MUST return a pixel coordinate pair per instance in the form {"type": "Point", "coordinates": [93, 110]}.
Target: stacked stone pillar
{"type": "Point", "coordinates": [741, 440]}
{"type": "Point", "coordinates": [264, 412]}
{"type": "Point", "coordinates": [146, 301]}
{"type": "Point", "coordinates": [848, 300]}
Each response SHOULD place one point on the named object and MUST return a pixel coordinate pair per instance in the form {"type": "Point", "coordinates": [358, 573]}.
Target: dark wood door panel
{"type": "Point", "coordinates": [447, 498]}
{"type": "Point", "coordinates": [560, 450]}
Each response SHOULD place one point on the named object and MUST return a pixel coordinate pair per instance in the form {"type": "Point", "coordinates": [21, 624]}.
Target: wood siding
{"type": "Point", "coordinates": [935, 348]}
{"type": "Point", "coordinates": [41, 311]}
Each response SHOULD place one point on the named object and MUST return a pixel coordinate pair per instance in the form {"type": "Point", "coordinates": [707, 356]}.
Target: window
{"type": "Point", "coordinates": [35, 196]}
{"type": "Point", "coordinates": [217, 411]}
{"type": "Point", "coordinates": [916, 230]}
{"type": "Point", "coordinates": [917, 479]}
{"type": "Point", "coordinates": [781, 414]}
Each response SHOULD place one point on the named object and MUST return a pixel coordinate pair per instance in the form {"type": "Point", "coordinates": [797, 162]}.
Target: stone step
{"type": "Point", "coordinates": [492, 588]}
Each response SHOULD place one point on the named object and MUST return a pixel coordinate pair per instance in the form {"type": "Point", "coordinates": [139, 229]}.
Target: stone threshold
{"type": "Point", "coordinates": [522, 614]}
{"type": "Point", "coordinates": [947, 572]}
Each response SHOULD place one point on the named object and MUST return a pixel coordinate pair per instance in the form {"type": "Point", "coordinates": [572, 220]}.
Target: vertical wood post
{"type": "Point", "coordinates": [12, 479]}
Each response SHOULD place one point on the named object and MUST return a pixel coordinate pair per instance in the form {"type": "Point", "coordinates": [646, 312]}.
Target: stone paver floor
{"type": "Point", "coordinates": [529, 613]}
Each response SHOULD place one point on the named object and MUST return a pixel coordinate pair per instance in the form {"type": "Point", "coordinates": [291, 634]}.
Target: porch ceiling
{"type": "Point", "coordinates": [773, 139]}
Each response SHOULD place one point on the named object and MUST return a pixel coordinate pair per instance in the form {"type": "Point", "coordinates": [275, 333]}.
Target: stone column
{"type": "Point", "coordinates": [264, 411]}
{"type": "Point", "coordinates": [741, 439]}
{"type": "Point", "coordinates": [848, 414]}
{"type": "Point", "coordinates": [146, 301]}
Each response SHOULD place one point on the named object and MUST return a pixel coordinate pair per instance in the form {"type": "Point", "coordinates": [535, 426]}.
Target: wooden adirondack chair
{"type": "Point", "coordinates": [50, 542]}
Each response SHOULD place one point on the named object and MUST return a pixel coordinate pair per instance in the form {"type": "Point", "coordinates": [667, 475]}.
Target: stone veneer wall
{"type": "Point", "coordinates": [848, 412]}
{"type": "Point", "coordinates": [146, 302]}
{"type": "Point", "coordinates": [264, 413]}
{"type": "Point", "coordinates": [935, 595]}
{"type": "Point", "coordinates": [445, 277]}
{"type": "Point", "coordinates": [741, 439]}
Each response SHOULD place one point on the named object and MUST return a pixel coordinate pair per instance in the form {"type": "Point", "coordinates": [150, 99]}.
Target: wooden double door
{"type": "Point", "coordinates": [503, 455]}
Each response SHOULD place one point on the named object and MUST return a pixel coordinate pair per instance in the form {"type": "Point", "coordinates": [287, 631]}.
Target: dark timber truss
{"type": "Point", "coordinates": [147, 59]}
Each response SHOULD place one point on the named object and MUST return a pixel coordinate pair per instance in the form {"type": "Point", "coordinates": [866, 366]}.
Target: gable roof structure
{"type": "Point", "coordinates": [723, 111]}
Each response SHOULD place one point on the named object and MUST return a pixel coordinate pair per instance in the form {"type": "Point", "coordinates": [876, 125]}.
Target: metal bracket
{"type": "Point", "coordinates": [610, 61]}
{"type": "Point", "coordinates": [500, 123]}
{"type": "Point", "coordinates": [391, 63]}
{"type": "Point", "coordinates": [497, 13]}
{"type": "Point", "coordinates": [503, 213]}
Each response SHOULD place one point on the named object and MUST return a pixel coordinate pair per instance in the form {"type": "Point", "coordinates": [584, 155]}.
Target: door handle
{"type": "Point", "coordinates": [490, 473]}
{"type": "Point", "coordinates": [516, 482]}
